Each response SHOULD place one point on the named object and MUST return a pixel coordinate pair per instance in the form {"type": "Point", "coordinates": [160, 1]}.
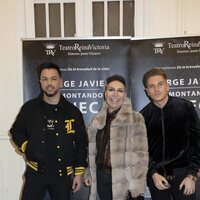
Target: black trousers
{"type": "Point", "coordinates": [59, 191]}
{"type": "Point", "coordinates": [129, 197]}
{"type": "Point", "coordinates": [104, 184]}
{"type": "Point", "coordinates": [173, 193]}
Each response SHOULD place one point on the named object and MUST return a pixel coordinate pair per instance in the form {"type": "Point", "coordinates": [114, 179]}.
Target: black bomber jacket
{"type": "Point", "coordinates": [173, 136]}
{"type": "Point", "coordinates": [29, 129]}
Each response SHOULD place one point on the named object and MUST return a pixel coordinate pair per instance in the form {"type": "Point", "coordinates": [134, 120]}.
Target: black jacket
{"type": "Point", "coordinates": [30, 127]}
{"type": "Point", "coordinates": [173, 136]}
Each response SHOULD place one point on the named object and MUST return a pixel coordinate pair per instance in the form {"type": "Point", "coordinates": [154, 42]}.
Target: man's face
{"type": "Point", "coordinates": [157, 89]}
{"type": "Point", "coordinates": [50, 82]}
{"type": "Point", "coordinates": [115, 95]}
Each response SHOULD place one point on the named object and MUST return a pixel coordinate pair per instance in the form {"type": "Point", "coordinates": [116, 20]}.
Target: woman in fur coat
{"type": "Point", "coordinates": [118, 152]}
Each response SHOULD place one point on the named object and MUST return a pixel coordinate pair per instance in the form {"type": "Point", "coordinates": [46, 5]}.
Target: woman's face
{"type": "Point", "coordinates": [115, 95]}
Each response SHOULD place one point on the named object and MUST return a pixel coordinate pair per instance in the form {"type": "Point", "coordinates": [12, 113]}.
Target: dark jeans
{"type": "Point", "coordinates": [57, 191]}
{"type": "Point", "coordinates": [198, 189]}
{"type": "Point", "coordinates": [139, 198]}
{"type": "Point", "coordinates": [82, 194]}
{"type": "Point", "coordinates": [104, 185]}
{"type": "Point", "coordinates": [173, 193]}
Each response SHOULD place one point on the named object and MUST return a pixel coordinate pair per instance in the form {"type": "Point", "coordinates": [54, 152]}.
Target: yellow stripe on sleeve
{"type": "Point", "coordinates": [79, 170]}
{"type": "Point", "coordinates": [23, 147]}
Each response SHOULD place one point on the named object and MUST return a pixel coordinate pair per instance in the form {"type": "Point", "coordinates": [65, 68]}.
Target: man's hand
{"type": "Point", "coordinates": [88, 182]}
{"type": "Point", "coordinates": [76, 184]}
{"type": "Point", "coordinates": [189, 186]}
{"type": "Point", "coordinates": [160, 182]}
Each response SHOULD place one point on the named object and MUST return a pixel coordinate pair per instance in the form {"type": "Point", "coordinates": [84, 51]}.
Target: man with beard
{"type": "Point", "coordinates": [50, 132]}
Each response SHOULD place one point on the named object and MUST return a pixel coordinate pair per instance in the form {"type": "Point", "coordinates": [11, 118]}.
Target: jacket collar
{"type": "Point", "coordinates": [166, 105]}
{"type": "Point", "coordinates": [99, 120]}
{"type": "Point", "coordinates": [61, 103]}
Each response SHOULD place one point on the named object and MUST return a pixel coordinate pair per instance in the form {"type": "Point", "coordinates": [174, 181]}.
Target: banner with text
{"type": "Point", "coordinates": [179, 57]}
{"type": "Point", "coordinates": [85, 65]}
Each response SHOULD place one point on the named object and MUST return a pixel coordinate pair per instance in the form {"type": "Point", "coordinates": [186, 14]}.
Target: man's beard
{"type": "Point", "coordinates": [51, 94]}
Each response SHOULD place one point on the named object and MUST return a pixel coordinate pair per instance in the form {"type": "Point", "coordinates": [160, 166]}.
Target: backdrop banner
{"type": "Point", "coordinates": [85, 65]}
{"type": "Point", "coordinates": [179, 57]}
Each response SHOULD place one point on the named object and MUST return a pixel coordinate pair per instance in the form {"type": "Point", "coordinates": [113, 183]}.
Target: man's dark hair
{"type": "Point", "coordinates": [156, 71]}
{"type": "Point", "coordinates": [116, 78]}
{"type": "Point", "coordinates": [47, 66]}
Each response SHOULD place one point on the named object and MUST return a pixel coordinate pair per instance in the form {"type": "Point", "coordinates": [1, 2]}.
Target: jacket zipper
{"type": "Point", "coordinates": [163, 148]}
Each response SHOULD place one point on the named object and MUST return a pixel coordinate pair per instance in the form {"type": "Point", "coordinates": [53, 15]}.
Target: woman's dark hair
{"type": "Point", "coordinates": [47, 66]}
{"type": "Point", "coordinates": [116, 78]}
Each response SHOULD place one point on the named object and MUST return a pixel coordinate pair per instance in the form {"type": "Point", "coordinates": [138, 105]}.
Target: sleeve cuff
{"type": "Point", "coordinates": [192, 172]}
{"type": "Point", "coordinates": [152, 171]}
{"type": "Point", "coordinates": [79, 170]}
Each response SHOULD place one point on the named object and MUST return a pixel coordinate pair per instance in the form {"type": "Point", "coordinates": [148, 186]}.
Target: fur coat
{"type": "Point", "coordinates": [128, 148]}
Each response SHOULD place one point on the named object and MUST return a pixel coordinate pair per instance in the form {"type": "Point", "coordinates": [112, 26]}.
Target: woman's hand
{"type": "Point", "coordinates": [88, 182]}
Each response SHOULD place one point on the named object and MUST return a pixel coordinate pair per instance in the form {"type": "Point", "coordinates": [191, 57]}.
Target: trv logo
{"type": "Point", "coordinates": [158, 50]}
{"type": "Point", "coordinates": [158, 47]}
{"type": "Point", "coordinates": [50, 49]}
{"type": "Point", "coordinates": [50, 52]}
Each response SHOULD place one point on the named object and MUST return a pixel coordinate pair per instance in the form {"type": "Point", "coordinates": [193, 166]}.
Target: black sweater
{"type": "Point", "coordinates": [173, 136]}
